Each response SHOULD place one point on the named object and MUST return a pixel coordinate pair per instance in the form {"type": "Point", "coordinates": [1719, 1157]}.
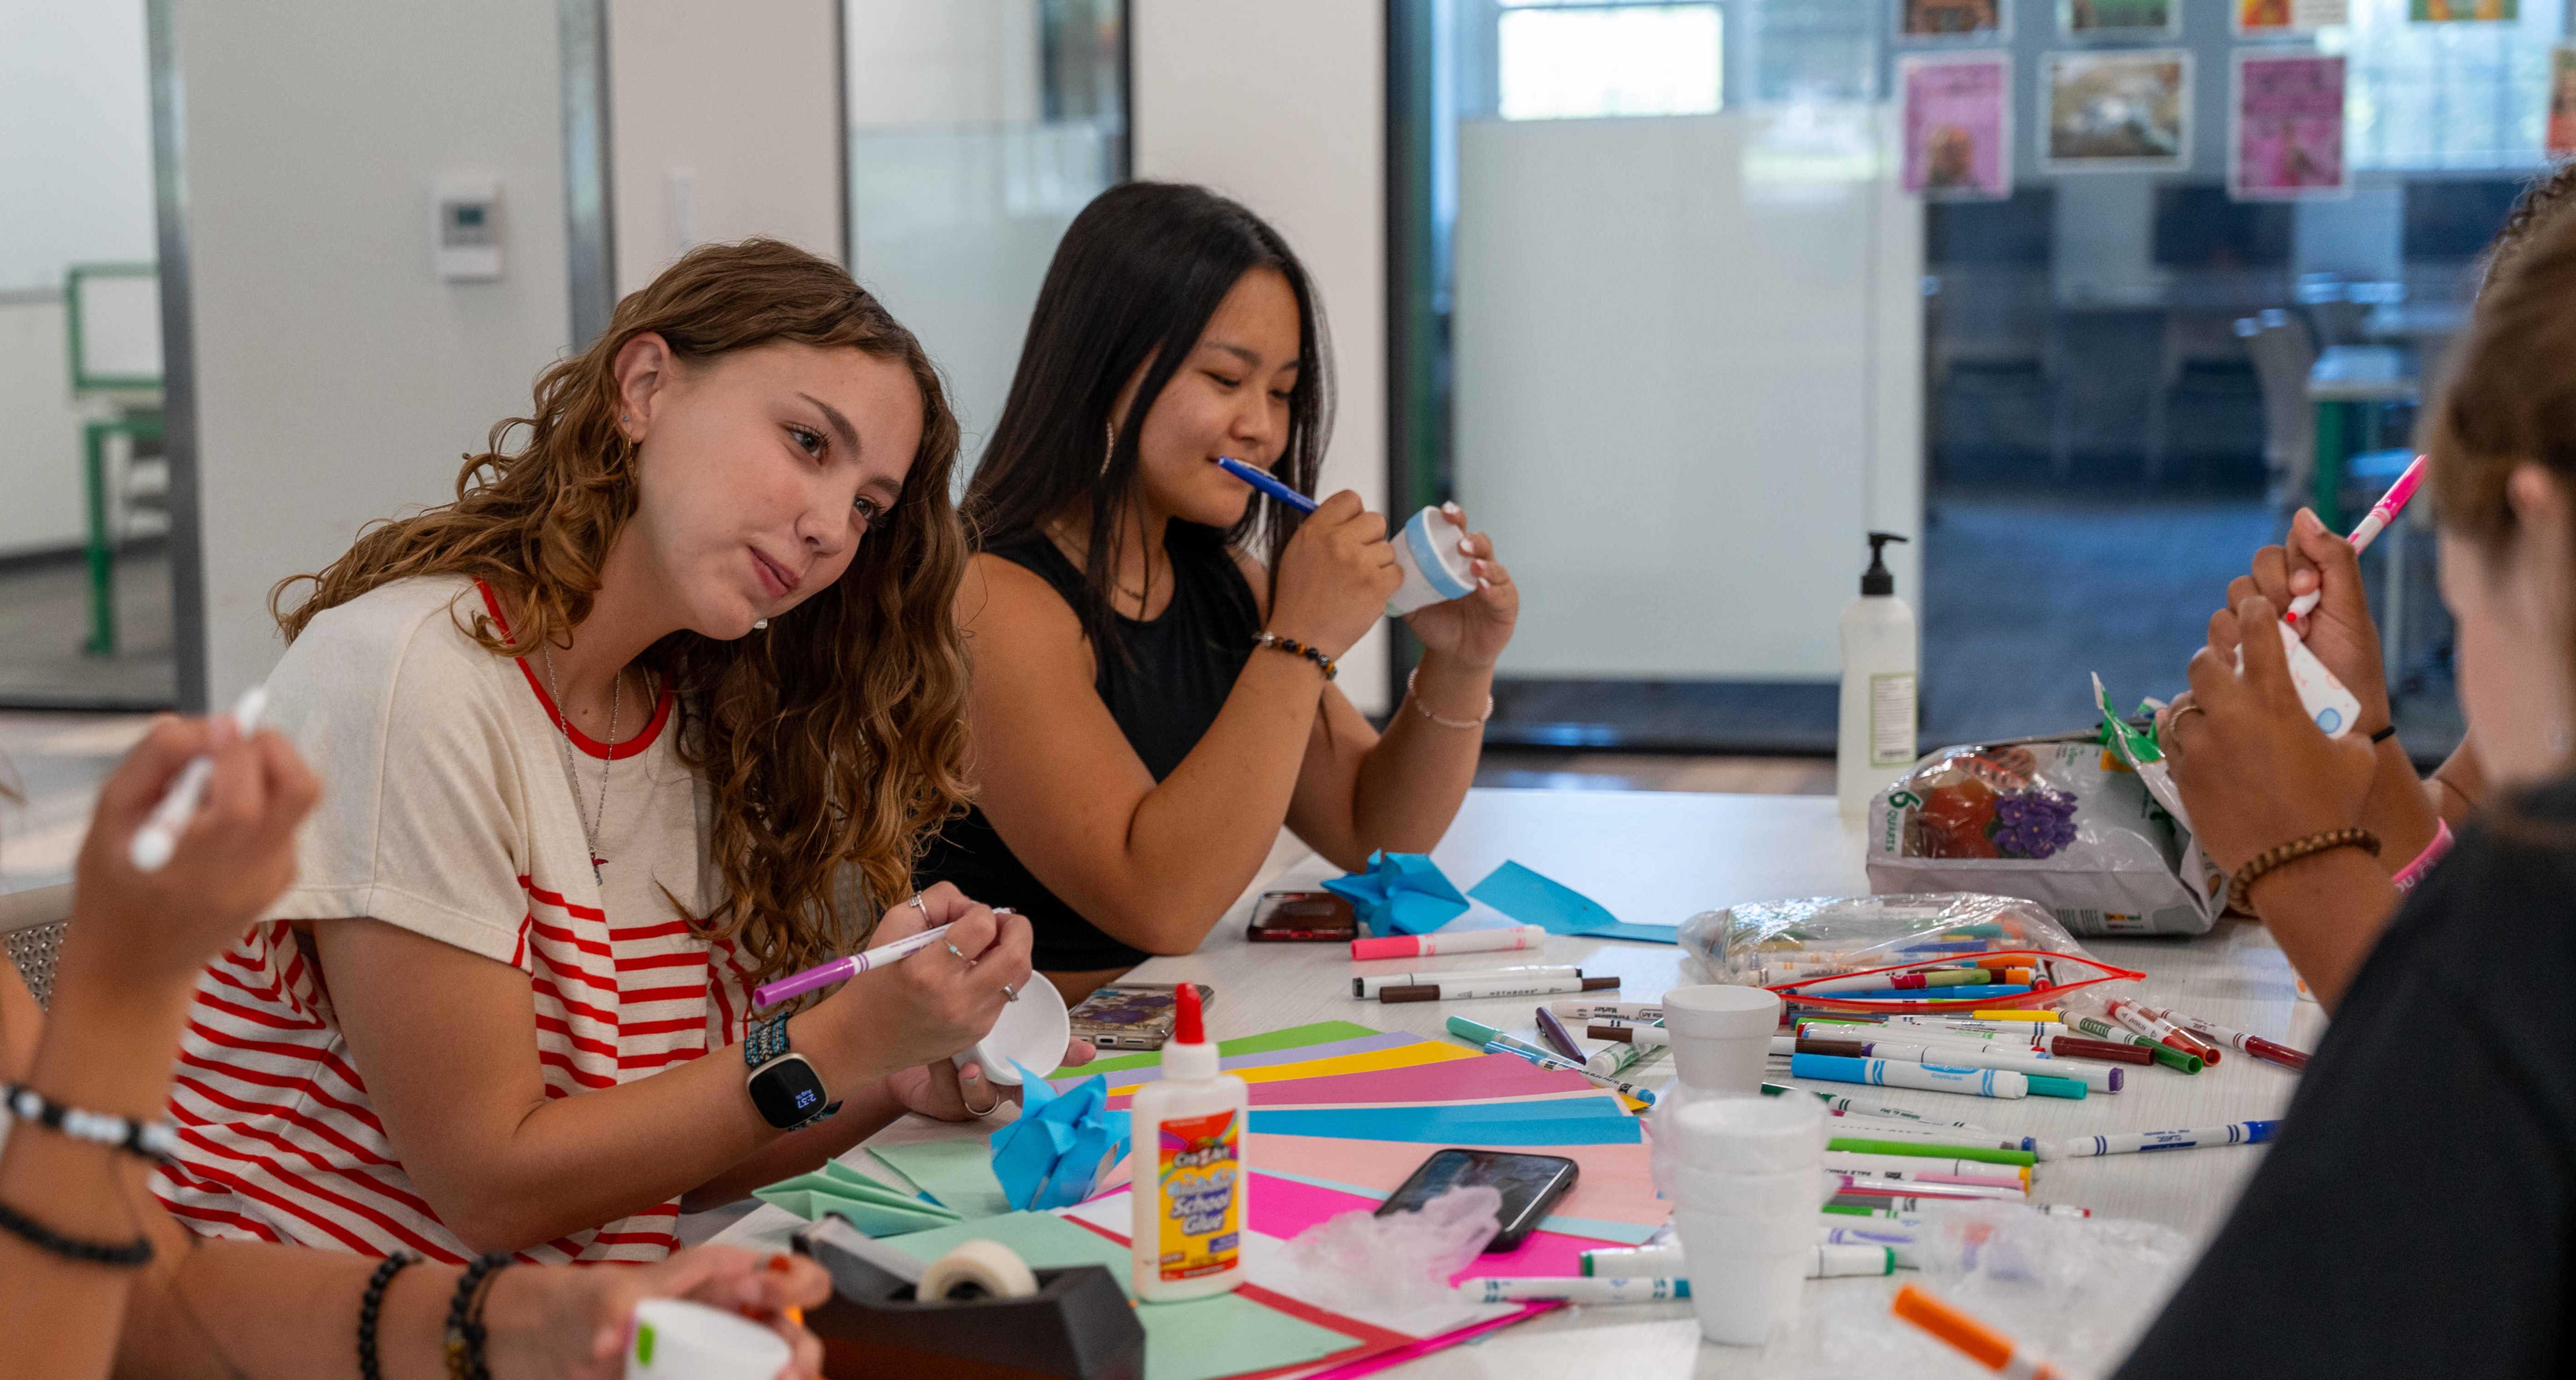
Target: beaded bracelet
{"type": "Point", "coordinates": [153, 1140]}
{"type": "Point", "coordinates": [372, 1304]}
{"type": "Point", "coordinates": [464, 1348]}
{"type": "Point", "coordinates": [1293, 647]}
{"type": "Point", "coordinates": [2273, 859]}
{"type": "Point", "coordinates": [1416, 701]}
{"type": "Point", "coordinates": [125, 1255]}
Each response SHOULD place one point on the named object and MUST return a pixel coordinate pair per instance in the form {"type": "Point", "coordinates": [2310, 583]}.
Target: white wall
{"type": "Point", "coordinates": [915, 63]}
{"type": "Point", "coordinates": [1283, 107]}
{"type": "Point", "coordinates": [1687, 382]}
{"type": "Point", "coordinates": [40, 429]}
{"type": "Point", "coordinates": [76, 154]}
{"type": "Point", "coordinates": [737, 98]}
{"type": "Point", "coordinates": [338, 380]}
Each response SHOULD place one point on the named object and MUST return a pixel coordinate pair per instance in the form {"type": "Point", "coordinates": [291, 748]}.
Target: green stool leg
{"type": "Point", "coordinates": [102, 559]}
{"type": "Point", "coordinates": [2327, 491]}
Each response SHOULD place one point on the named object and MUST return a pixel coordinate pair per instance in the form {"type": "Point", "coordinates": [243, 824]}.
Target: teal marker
{"type": "Point", "coordinates": [1479, 1034]}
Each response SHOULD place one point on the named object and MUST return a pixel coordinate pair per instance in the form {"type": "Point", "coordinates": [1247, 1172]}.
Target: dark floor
{"type": "Point", "coordinates": [44, 624]}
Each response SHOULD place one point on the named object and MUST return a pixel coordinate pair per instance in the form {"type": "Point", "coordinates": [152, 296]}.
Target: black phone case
{"type": "Point", "coordinates": [1520, 1223]}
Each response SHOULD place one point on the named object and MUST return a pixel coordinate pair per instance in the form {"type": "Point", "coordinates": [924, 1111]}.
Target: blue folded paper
{"type": "Point", "coordinates": [1054, 1155]}
{"type": "Point", "coordinates": [1532, 899]}
{"type": "Point", "coordinates": [1401, 893]}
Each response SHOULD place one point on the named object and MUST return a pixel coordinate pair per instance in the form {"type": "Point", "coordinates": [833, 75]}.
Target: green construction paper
{"type": "Point", "coordinates": [842, 1181]}
{"type": "Point", "coordinates": [1225, 1334]}
{"type": "Point", "coordinates": [957, 1171]}
{"type": "Point", "coordinates": [869, 1215]}
{"type": "Point", "coordinates": [1295, 1037]}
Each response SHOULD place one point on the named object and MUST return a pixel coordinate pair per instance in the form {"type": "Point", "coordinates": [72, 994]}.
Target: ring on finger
{"type": "Point", "coordinates": [961, 953]}
{"type": "Point", "coordinates": [918, 905]}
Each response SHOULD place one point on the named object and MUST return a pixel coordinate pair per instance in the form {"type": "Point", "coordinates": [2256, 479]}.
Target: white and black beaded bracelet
{"type": "Point", "coordinates": [153, 1140]}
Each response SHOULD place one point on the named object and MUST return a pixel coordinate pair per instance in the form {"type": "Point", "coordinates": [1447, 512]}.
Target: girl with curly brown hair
{"type": "Point", "coordinates": [654, 711]}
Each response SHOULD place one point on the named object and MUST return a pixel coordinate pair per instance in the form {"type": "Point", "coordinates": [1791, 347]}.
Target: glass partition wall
{"type": "Point", "coordinates": [976, 132]}
{"type": "Point", "coordinates": [1670, 324]}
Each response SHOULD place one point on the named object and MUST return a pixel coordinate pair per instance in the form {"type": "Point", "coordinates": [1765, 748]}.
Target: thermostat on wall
{"type": "Point", "coordinates": [465, 229]}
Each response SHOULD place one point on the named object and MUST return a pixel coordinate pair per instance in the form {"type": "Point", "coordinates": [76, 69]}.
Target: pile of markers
{"type": "Point", "coordinates": [1952, 976]}
{"type": "Point", "coordinates": [1633, 1036]}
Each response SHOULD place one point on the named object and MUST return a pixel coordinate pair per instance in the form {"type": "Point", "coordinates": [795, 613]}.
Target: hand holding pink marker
{"type": "Point", "coordinates": [2381, 514]}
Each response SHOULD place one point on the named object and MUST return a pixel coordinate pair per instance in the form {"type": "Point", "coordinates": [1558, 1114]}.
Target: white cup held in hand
{"type": "Point", "coordinates": [1033, 1030]}
{"type": "Point", "coordinates": [673, 1339]}
{"type": "Point", "coordinates": [1435, 570]}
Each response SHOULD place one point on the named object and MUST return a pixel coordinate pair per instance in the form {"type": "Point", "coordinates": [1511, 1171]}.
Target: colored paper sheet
{"type": "Point", "coordinates": [1238, 1063]}
{"type": "Point", "coordinates": [2288, 133]}
{"type": "Point", "coordinates": [1414, 1055]}
{"type": "Point", "coordinates": [1484, 1077]}
{"type": "Point", "coordinates": [1268, 1042]}
{"type": "Point", "coordinates": [875, 1208]}
{"type": "Point", "coordinates": [1958, 125]}
{"type": "Point", "coordinates": [1615, 1184]}
{"type": "Point", "coordinates": [1594, 1230]}
{"type": "Point", "coordinates": [1227, 1334]}
{"type": "Point", "coordinates": [1286, 1207]}
{"type": "Point", "coordinates": [1515, 1125]}
{"type": "Point", "coordinates": [957, 1171]}
{"type": "Point", "coordinates": [1401, 893]}
{"type": "Point", "coordinates": [1532, 899]}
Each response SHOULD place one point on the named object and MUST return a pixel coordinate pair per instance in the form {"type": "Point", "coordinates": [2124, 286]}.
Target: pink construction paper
{"type": "Point", "coordinates": [1284, 1208]}
{"type": "Point", "coordinates": [1371, 1365]}
{"type": "Point", "coordinates": [1459, 1080]}
{"type": "Point", "coordinates": [1615, 1185]}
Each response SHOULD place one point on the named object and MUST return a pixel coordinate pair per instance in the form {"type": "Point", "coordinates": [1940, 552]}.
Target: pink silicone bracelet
{"type": "Point", "coordinates": [2413, 872]}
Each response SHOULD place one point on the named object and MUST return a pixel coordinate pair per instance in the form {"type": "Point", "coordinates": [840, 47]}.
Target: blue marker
{"type": "Point", "coordinates": [1260, 479]}
{"type": "Point", "coordinates": [2233, 1133]}
{"type": "Point", "coordinates": [1886, 1073]}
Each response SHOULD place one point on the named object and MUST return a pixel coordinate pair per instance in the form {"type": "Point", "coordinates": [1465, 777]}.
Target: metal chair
{"type": "Point", "coordinates": [31, 929]}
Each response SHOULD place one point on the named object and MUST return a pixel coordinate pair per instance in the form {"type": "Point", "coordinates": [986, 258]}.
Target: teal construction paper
{"type": "Point", "coordinates": [1532, 899]}
{"type": "Point", "coordinates": [1442, 1124]}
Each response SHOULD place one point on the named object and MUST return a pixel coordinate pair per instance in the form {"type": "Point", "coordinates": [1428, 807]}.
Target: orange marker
{"type": "Point", "coordinates": [1981, 1343]}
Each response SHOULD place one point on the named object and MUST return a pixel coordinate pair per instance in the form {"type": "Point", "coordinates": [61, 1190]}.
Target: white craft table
{"type": "Point", "coordinates": [1660, 857]}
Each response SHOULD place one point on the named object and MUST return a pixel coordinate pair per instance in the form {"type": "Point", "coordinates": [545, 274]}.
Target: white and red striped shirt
{"type": "Point", "coordinates": [445, 811]}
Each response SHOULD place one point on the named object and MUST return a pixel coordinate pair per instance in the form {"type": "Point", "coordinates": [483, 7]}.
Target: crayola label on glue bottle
{"type": "Point", "coordinates": [1187, 1232]}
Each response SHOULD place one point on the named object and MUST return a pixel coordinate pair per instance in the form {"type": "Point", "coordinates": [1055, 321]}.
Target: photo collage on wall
{"type": "Point", "coordinates": [2120, 103]}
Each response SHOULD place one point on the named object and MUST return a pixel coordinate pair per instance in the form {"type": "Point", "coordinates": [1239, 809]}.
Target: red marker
{"type": "Point", "coordinates": [2256, 1045]}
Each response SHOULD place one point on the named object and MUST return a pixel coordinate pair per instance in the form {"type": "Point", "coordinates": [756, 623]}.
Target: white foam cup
{"type": "Point", "coordinates": [674, 1339]}
{"type": "Point", "coordinates": [1033, 1030]}
{"type": "Point", "coordinates": [1742, 1135]}
{"type": "Point", "coordinates": [1721, 1034]}
{"type": "Point", "coordinates": [1796, 1193]}
{"type": "Point", "coordinates": [1435, 570]}
{"type": "Point", "coordinates": [1744, 1296]}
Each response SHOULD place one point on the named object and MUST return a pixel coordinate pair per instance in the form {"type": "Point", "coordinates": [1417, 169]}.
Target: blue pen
{"type": "Point", "coordinates": [1260, 479]}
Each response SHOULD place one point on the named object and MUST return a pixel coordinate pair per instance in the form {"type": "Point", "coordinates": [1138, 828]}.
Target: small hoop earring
{"type": "Point", "coordinates": [1110, 451]}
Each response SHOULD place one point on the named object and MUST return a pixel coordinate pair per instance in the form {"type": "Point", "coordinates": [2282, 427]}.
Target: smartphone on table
{"type": "Point", "coordinates": [1132, 1015]}
{"type": "Point", "coordinates": [1530, 1185]}
{"type": "Point", "coordinates": [1311, 917]}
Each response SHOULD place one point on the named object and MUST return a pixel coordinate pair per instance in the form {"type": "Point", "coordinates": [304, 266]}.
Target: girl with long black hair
{"type": "Point", "coordinates": [1153, 644]}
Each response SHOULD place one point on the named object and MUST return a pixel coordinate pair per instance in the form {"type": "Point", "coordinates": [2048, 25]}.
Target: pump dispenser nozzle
{"type": "Point", "coordinates": [1876, 579]}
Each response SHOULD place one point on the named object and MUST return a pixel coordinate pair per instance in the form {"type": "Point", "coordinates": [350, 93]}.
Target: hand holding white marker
{"type": "Point", "coordinates": [158, 839]}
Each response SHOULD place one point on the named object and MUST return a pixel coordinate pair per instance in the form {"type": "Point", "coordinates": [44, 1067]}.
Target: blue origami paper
{"type": "Point", "coordinates": [1054, 1155]}
{"type": "Point", "coordinates": [1401, 893]}
{"type": "Point", "coordinates": [1532, 899]}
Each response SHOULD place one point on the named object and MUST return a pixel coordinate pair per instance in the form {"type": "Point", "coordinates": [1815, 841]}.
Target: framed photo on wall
{"type": "Point", "coordinates": [1958, 125]}
{"type": "Point", "coordinates": [2286, 18]}
{"type": "Point", "coordinates": [2115, 111]}
{"type": "Point", "coordinates": [2286, 141]}
{"type": "Point", "coordinates": [1932, 21]}
{"type": "Point", "coordinates": [2561, 138]}
{"type": "Point", "coordinates": [2119, 18]}
{"type": "Point", "coordinates": [2463, 11]}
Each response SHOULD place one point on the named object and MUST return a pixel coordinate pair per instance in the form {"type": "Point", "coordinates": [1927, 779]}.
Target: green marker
{"type": "Point", "coordinates": [1853, 1145]}
{"type": "Point", "coordinates": [1479, 1034]}
{"type": "Point", "coordinates": [2163, 1053]}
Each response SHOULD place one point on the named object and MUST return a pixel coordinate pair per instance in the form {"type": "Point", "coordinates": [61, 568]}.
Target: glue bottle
{"type": "Point", "coordinates": [1189, 1180]}
{"type": "Point", "coordinates": [1880, 662]}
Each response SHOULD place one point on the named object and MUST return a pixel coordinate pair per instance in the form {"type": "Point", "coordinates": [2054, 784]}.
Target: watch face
{"type": "Point", "coordinates": [787, 1091]}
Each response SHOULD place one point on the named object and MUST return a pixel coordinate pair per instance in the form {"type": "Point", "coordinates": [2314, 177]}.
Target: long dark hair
{"type": "Point", "coordinates": [1132, 286]}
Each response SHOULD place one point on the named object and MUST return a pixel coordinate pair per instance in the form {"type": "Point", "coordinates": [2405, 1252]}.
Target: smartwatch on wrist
{"type": "Point", "coordinates": [787, 1091]}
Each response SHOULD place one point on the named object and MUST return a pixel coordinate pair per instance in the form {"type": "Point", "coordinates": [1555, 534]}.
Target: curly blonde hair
{"type": "Point", "coordinates": [837, 738]}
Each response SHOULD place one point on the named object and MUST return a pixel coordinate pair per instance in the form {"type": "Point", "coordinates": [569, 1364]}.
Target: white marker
{"type": "Point", "coordinates": [1489, 1289]}
{"type": "Point", "coordinates": [1607, 1010]}
{"type": "Point", "coordinates": [1493, 987]}
{"type": "Point", "coordinates": [1447, 942]}
{"type": "Point", "coordinates": [1652, 1036]}
{"type": "Point", "coordinates": [1840, 1259]}
{"type": "Point", "coordinates": [1636, 1262]}
{"type": "Point", "coordinates": [159, 837]}
{"type": "Point", "coordinates": [2097, 1077]}
{"type": "Point", "coordinates": [2233, 1133]}
{"type": "Point", "coordinates": [1917, 1168]}
{"type": "Point", "coordinates": [1369, 986]}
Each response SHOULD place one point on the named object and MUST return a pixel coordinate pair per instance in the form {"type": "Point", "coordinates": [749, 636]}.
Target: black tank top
{"type": "Point", "coordinates": [1164, 682]}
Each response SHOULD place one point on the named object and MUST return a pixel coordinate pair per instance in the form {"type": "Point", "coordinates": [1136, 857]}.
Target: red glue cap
{"type": "Point", "coordinates": [1188, 1027]}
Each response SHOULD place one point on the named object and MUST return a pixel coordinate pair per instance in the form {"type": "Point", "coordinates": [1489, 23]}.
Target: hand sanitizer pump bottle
{"type": "Point", "coordinates": [1881, 659]}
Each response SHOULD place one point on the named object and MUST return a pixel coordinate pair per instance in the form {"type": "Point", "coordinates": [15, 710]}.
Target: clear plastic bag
{"type": "Point", "coordinates": [1794, 947]}
{"type": "Point", "coordinates": [2066, 822]}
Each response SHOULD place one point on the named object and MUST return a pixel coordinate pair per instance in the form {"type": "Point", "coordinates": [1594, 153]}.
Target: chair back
{"type": "Point", "coordinates": [2283, 353]}
{"type": "Point", "coordinates": [31, 929]}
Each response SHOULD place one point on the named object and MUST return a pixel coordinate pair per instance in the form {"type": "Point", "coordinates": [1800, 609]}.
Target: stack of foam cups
{"type": "Point", "coordinates": [1745, 1178]}
{"type": "Point", "coordinates": [1743, 1172]}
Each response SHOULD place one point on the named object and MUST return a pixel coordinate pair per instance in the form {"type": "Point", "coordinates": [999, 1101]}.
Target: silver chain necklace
{"type": "Point", "coordinates": [589, 827]}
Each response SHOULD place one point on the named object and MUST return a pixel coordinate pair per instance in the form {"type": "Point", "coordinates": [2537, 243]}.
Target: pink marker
{"type": "Point", "coordinates": [2381, 514]}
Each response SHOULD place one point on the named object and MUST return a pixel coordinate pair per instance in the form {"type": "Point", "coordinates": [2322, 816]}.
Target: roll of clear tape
{"type": "Point", "coordinates": [977, 1269]}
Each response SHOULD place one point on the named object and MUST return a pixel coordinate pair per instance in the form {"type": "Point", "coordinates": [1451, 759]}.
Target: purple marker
{"type": "Point", "coordinates": [844, 969]}
{"type": "Point", "coordinates": [1261, 479]}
